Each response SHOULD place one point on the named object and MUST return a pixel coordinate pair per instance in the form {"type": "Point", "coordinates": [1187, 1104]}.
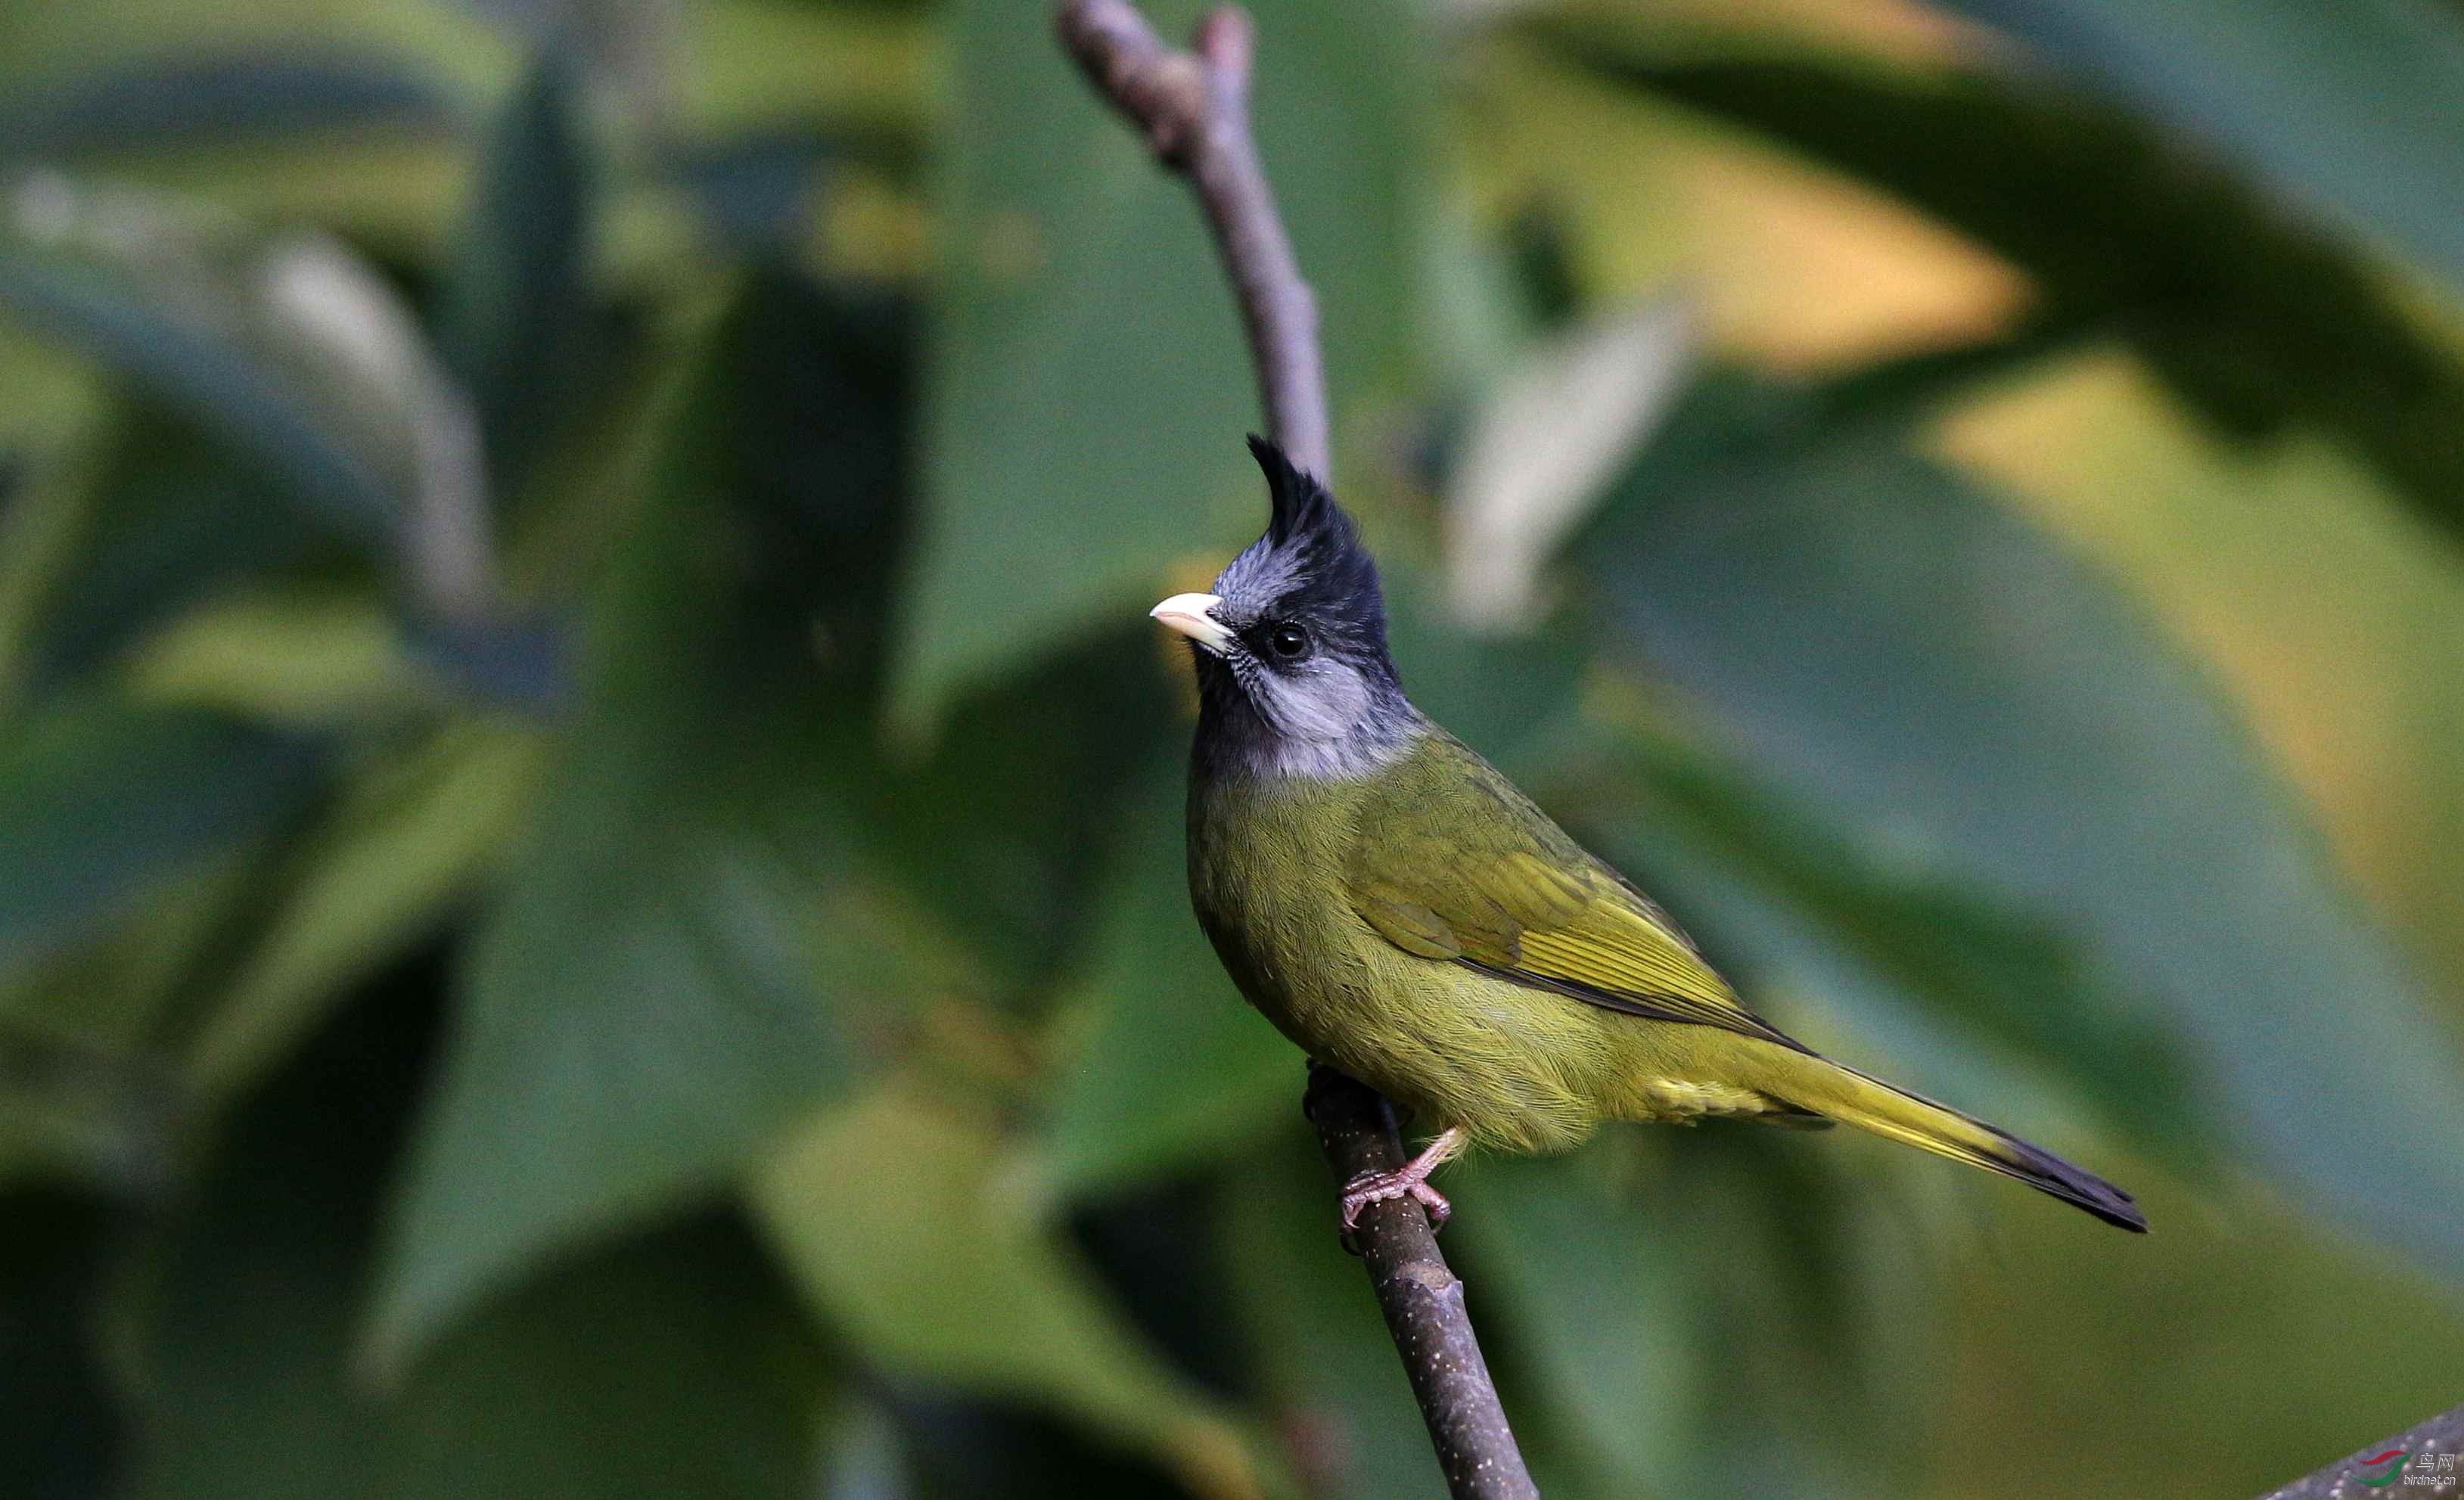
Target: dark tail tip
{"type": "Point", "coordinates": [2048, 1172]}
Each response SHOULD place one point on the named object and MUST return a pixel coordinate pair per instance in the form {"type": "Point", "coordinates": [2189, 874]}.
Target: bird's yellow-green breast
{"type": "Point", "coordinates": [1305, 885]}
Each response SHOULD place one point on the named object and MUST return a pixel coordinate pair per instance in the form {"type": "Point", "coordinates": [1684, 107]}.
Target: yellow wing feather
{"type": "Point", "coordinates": [1455, 864]}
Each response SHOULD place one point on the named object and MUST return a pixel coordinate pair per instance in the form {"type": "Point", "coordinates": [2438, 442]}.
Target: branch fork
{"type": "Point", "coordinates": [1193, 108]}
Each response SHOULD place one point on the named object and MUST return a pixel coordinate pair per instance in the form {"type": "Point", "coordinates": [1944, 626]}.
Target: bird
{"type": "Point", "coordinates": [1404, 914]}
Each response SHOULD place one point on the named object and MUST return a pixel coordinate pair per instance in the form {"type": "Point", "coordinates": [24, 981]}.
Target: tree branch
{"type": "Point", "coordinates": [1422, 1299]}
{"type": "Point", "coordinates": [2342, 1480]}
{"type": "Point", "coordinates": [1193, 108]}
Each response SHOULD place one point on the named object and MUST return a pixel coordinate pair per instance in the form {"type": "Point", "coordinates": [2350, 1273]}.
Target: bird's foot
{"type": "Point", "coordinates": [1379, 1187]}
{"type": "Point", "coordinates": [1409, 1180]}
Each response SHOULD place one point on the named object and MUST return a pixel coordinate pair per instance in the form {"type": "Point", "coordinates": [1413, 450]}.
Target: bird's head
{"type": "Point", "coordinates": [1291, 645]}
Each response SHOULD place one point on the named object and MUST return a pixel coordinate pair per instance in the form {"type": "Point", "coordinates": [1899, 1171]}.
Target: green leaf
{"type": "Point", "coordinates": [290, 349]}
{"type": "Point", "coordinates": [307, 655]}
{"type": "Point", "coordinates": [1328, 1365]}
{"type": "Point", "coordinates": [647, 1006]}
{"type": "Point", "coordinates": [1778, 890]}
{"type": "Point", "coordinates": [1884, 641]}
{"type": "Point", "coordinates": [2260, 319]}
{"type": "Point", "coordinates": [1003, 826]}
{"type": "Point", "coordinates": [1506, 696]}
{"type": "Point", "coordinates": [405, 844]}
{"type": "Point", "coordinates": [196, 353]}
{"type": "Point", "coordinates": [664, 1366]}
{"type": "Point", "coordinates": [1662, 1301]}
{"type": "Point", "coordinates": [760, 187]}
{"type": "Point", "coordinates": [668, 1366]}
{"type": "Point", "coordinates": [171, 518]}
{"type": "Point", "coordinates": [634, 1029]}
{"type": "Point", "coordinates": [642, 1371]}
{"type": "Point", "coordinates": [2358, 107]}
{"type": "Point", "coordinates": [1091, 381]}
{"type": "Point", "coordinates": [83, 1092]}
{"type": "Point", "coordinates": [225, 96]}
{"type": "Point", "coordinates": [890, 1213]}
{"type": "Point", "coordinates": [1175, 1067]}
{"type": "Point", "coordinates": [71, 1113]}
{"type": "Point", "coordinates": [516, 288]}
{"type": "Point", "coordinates": [1593, 1280]}
{"type": "Point", "coordinates": [105, 801]}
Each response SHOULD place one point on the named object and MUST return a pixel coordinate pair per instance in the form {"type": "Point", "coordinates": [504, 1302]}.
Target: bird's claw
{"type": "Point", "coordinates": [1379, 1187]}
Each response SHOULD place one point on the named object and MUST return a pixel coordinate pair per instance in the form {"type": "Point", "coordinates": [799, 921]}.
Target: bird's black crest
{"type": "Point", "coordinates": [1337, 576]}
{"type": "Point", "coordinates": [1260, 704]}
{"type": "Point", "coordinates": [1301, 504]}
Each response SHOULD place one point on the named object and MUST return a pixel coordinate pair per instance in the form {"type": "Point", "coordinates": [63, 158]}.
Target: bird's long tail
{"type": "Point", "coordinates": [1843, 1094]}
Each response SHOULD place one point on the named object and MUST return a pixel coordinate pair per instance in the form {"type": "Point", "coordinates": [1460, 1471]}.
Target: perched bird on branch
{"type": "Point", "coordinates": [1394, 906]}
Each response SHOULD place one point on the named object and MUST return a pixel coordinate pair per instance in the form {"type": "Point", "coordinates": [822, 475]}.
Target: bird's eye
{"type": "Point", "coordinates": [1287, 641]}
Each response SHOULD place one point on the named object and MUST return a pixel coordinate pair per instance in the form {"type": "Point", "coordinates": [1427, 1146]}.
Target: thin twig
{"type": "Point", "coordinates": [1193, 108]}
{"type": "Point", "coordinates": [2424, 1447]}
{"type": "Point", "coordinates": [1422, 1299]}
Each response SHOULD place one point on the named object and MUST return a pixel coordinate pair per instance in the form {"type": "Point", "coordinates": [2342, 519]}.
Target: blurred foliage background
{"type": "Point", "coordinates": [590, 891]}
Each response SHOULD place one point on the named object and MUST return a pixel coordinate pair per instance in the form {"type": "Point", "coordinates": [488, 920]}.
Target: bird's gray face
{"type": "Point", "coordinates": [1303, 678]}
{"type": "Point", "coordinates": [1291, 647]}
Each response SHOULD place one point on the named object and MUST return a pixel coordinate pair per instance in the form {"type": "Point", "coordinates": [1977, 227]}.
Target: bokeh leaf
{"type": "Point", "coordinates": [1536, 454]}
{"type": "Point", "coordinates": [1593, 1277]}
{"type": "Point", "coordinates": [645, 1005]}
{"type": "Point", "coordinates": [1883, 639]}
{"type": "Point", "coordinates": [890, 1213]}
{"type": "Point", "coordinates": [1663, 1300]}
{"type": "Point", "coordinates": [1776, 890]}
{"type": "Point", "coordinates": [1507, 696]}
{"type": "Point", "coordinates": [290, 349]}
{"type": "Point", "coordinates": [2358, 109]}
{"type": "Point", "coordinates": [669, 1364]}
{"type": "Point", "coordinates": [225, 96]}
{"type": "Point", "coordinates": [1003, 827]}
{"type": "Point", "coordinates": [170, 517]}
{"type": "Point", "coordinates": [403, 845]}
{"type": "Point", "coordinates": [87, 1018]}
{"type": "Point", "coordinates": [308, 655]}
{"type": "Point", "coordinates": [2261, 317]}
{"type": "Point", "coordinates": [664, 1367]}
{"type": "Point", "coordinates": [106, 801]}
{"type": "Point", "coordinates": [196, 341]}
{"type": "Point", "coordinates": [1337, 1391]}
{"type": "Point", "coordinates": [1082, 441]}
{"type": "Point", "coordinates": [516, 288]}
{"type": "Point", "coordinates": [1173, 1065]}
{"type": "Point", "coordinates": [760, 185]}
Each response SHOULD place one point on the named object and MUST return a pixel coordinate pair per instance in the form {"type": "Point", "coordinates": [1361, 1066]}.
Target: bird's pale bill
{"type": "Point", "coordinates": [1191, 615]}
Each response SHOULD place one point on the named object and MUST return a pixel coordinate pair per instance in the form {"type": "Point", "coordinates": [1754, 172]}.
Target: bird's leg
{"type": "Point", "coordinates": [1409, 1180]}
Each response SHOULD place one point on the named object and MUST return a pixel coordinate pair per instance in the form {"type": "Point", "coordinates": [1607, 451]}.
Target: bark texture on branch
{"type": "Point", "coordinates": [1422, 1299]}
{"type": "Point", "coordinates": [1193, 108]}
{"type": "Point", "coordinates": [2347, 1478]}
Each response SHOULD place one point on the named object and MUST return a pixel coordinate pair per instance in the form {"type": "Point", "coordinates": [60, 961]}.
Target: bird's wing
{"type": "Point", "coordinates": [1453, 863]}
